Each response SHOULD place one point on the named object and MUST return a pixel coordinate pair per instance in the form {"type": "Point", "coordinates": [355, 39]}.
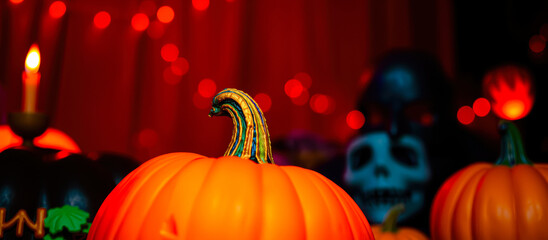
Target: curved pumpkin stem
{"type": "Point", "coordinates": [389, 224]}
{"type": "Point", "coordinates": [511, 148]}
{"type": "Point", "coordinates": [250, 137]}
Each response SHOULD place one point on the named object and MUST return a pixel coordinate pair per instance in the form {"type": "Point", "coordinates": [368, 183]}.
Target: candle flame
{"type": "Point", "coordinates": [512, 103]}
{"type": "Point", "coordinates": [32, 62]}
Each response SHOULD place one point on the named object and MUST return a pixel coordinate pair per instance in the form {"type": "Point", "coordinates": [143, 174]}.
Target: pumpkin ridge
{"type": "Point", "coordinates": [472, 178]}
{"type": "Point", "coordinates": [129, 197]}
{"type": "Point", "coordinates": [343, 202]}
{"type": "Point", "coordinates": [286, 172]}
{"type": "Point", "coordinates": [161, 188]}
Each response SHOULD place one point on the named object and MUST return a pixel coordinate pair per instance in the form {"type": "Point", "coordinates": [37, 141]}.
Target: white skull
{"type": "Point", "coordinates": [381, 172]}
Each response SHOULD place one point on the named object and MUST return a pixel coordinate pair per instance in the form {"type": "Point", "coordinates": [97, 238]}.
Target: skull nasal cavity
{"type": "Point", "coordinates": [381, 171]}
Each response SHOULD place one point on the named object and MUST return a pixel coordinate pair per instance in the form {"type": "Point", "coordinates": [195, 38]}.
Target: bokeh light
{"type": "Point", "coordinates": [293, 88]}
{"type": "Point", "coordinates": [200, 4]}
{"type": "Point", "coordinates": [139, 21]}
{"type": "Point", "coordinates": [165, 14]}
{"type": "Point", "coordinates": [301, 99]}
{"type": "Point", "coordinates": [365, 77]}
{"type": "Point", "coordinates": [537, 43]}
{"type": "Point", "coordinates": [465, 115]}
{"type": "Point", "coordinates": [264, 101]}
{"type": "Point", "coordinates": [156, 29]}
{"type": "Point", "coordinates": [171, 78]}
{"type": "Point", "coordinates": [319, 103]}
{"type": "Point", "coordinates": [169, 52]}
{"type": "Point", "coordinates": [180, 66]}
{"type": "Point", "coordinates": [207, 88]}
{"type": "Point", "coordinates": [201, 102]}
{"type": "Point", "coordinates": [355, 119]}
{"type": "Point", "coordinates": [57, 9]}
{"type": "Point", "coordinates": [148, 138]}
{"type": "Point", "coordinates": [304, 78]}
{"type": "Point", "coordinates": [481, 107]}
{"type": "Point", "coordinates": [101, 19]}
{"type": "Point", "coordinates": [16, 1]}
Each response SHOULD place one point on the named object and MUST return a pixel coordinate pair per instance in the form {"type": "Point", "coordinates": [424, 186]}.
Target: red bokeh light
{"type": "Point", "coordinates": [201, 102]}
{"type": "Point", "coordinates": [139, 21]}
{"type": "Point", "coordinates": [170, 52]}
{"type": "Point", "coordinates": [365, 78]}
{"type": "Point", "coordinates": [165, 14]}
{"type": "Point", "coordinates": [200, 4]}
{"type": "Point", "coordinates": [537, 43]}
{"type": "Point", "coordinates": [207, 88]}
{"type": "Point", "coordinates": [304, 78]}
{"type": "Point", "coordinates": [57, 9]}
{"type": "Point", "coordinates": [427, 119]}
{"type": "Point", "coordinates": [481, 107]}
{"type": "Point", "coordinates": [293, 88]}
{"type": "Point", "coordinates": [169, 77]}
{"type": "Point", "coordinates": [465, 115]}
{"type": "Point", "coordinates": [355, 119]}
{"type": "Point", "coordinates": [264, 101]}
{"type": "Point", "coordinates": [301, 99]}
{"type": "Point", "coordinates": [156, 29]}
{"type": "Point", "coordinates": [319, 103]}
{"type": "Point", "coordinates": [148, 138]}
{"type": "Point", "coordinates": [101, 19]}
{"type": "Point", "coordinates": [16, 1]}
{"type": "Point", "coordinates": [180, 66]}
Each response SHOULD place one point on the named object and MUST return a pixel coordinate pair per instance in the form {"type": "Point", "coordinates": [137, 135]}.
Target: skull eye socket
{"type": "Point", "coordinates": [405, 155]}
{"type": "Point", "coordinates": [360, 157]}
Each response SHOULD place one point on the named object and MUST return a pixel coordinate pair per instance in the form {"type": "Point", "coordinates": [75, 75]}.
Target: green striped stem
{"type": "Point", "coordinates": [250, 137]}
{"type": "Point", "coordinates": [511, 147]}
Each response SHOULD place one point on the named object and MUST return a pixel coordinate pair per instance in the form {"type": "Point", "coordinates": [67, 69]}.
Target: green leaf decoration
{"type": "Point", "coordinates": [70, 217]}
{"type": "Point", "coordinates": [86, 229]}
{"type": "Point", "coordinates": [48, 237]}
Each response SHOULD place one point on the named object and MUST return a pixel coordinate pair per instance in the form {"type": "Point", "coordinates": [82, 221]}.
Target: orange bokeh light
{"type": "Point", "coordinates": [139, 21]}
{"type": "Point", "coordinates": [101, 19]}
{"type": "Point", "coordinates": [57, 9]}
{"type": "Point", "coordinates": [200, 5]}
{"type": "Point", "coordinates": [165, 14]}
{"type": "Point", "coordinates": [52, 138]}
{"type": "Point", "coordinates": [355, 119]}
{"type": "Point", "coordinates": [170, 52]}
{"type": "Point", "coordinates": [16, 1]}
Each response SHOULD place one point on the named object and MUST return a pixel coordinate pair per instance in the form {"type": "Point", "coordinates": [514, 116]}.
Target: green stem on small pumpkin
{"type": "Point", "coordinates": [389, 224]}
{"type": "Point", "coordinates": [250, 137]}
{"type": "Point", "coordinates": [511, 147]}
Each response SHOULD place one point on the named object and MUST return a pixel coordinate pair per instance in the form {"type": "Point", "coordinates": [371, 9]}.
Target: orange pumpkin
{"type": "Point", "coordinates": [189, 196]}
{"type": "Point", "coordinates": [507, 200]}
{"type": "Point", "coordinates": [388, 230]}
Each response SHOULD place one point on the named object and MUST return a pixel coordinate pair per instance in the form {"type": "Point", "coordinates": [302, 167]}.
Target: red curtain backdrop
{"type": "Point", "coordinates": [111, 90]}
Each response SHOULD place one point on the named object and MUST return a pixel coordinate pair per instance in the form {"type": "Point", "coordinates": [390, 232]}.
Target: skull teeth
{"type": "Point", "coordinates": [385, 196]}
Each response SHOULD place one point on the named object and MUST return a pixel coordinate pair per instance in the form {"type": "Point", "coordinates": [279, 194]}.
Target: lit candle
{"type": "Point", "coordinates": [31, 79]}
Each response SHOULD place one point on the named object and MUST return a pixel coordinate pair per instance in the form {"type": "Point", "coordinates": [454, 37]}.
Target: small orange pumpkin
{"type": "Point", "coordinates": [189, 196]}
{"type": "Point", "coordinates": [508, 200]}
{"type": "Point", "coordinates": [388, 230]}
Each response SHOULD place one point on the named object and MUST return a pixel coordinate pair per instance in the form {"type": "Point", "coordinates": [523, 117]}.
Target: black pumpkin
{"type": "Point", "coordinates": [43, 195]}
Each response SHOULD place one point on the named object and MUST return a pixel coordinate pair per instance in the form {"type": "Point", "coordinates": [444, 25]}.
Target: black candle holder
{"type": "Point", "coordinates": [28, 125]}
